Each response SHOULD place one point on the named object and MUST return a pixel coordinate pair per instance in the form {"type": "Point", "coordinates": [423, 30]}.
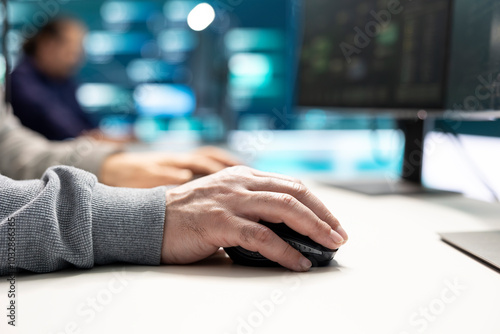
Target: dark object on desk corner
{"type": "Point", "coordinates": [318, 255]}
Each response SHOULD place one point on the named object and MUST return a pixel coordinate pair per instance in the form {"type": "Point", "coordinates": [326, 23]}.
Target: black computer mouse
{"type": "Point", "coordinates": [318, 255]}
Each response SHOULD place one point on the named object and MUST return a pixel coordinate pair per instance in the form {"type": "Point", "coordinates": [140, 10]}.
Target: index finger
{"type": "Point", "coordinates": [284, 208]}
{"type": "Point", "coordinates": [269, 182]}
{"type": "Point", "coordinates": [259, 238]}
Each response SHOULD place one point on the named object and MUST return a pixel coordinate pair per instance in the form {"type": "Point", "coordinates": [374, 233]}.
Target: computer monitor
{"type": "Point", "coordinates": [380, 57]}
{"type": "Point", "coordinates": [374, 54]}
{"type": "Point", "coordinates": [474, 76]}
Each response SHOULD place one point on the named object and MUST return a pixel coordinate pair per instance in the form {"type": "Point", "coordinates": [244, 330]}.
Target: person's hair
{"type": "Point", "coordinates": [52, 30]}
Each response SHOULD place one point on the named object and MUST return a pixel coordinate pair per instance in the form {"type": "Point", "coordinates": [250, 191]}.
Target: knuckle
{"type": "Point", "coordinates": [322, 227]}
{"type": "Point", "coordinates": [238, 175]}
{"type": "Point", "coordinates": [300, 189]}
{"type": "Point", "coordinates": [288, 200]}
{"type": "Point", "coordinates": [263, 234]}
{"type": "Point", "coordinates": [245, 179]}
{"type": "Point", "coordinates": [221, 215]}
{"type": "Point", "coordinates": [246, 233]}
{"type": "Point", "coordinates": [317, 228]}
{"type": "Point", "coordinates": [256, 232]}
{"type": "Point", "coordinates": [331, 217]}
{"type": "Point", "coordinates": [286, 250]}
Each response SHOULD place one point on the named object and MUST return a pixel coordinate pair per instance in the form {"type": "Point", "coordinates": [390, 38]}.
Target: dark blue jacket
{"type": "Point", "coordinates": [47, 105]}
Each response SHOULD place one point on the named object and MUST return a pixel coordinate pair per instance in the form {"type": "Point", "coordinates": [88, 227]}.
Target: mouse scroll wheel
{"type": "Point", "coordinates": [303, 248]}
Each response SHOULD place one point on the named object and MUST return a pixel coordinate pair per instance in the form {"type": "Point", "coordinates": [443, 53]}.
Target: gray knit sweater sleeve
{"type": "Point", "coordinates": [68, 219]}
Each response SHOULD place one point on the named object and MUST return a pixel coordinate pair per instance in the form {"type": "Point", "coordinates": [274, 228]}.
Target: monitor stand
{"type": "Point", "coordinates": [411, 176]}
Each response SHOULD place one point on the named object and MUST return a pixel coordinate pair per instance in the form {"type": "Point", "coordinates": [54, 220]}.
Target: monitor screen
{"type": "Point", "coordinates": [475, 56]}
{"type": "Point", "coordinates": [374, 53]}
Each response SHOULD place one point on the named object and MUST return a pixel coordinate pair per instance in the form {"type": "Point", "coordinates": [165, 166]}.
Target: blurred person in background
{"type": "Point", "coordinates": [43, 89]}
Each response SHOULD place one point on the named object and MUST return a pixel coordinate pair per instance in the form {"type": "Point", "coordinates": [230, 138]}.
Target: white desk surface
{"type": "Point", "coordinates": [393, 276]}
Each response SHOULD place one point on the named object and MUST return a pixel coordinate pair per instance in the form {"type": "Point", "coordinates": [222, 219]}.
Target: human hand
{"type": "Point", "coordinates": [148, 170]}
{"type": "Point", "coordinates": [223, 210]}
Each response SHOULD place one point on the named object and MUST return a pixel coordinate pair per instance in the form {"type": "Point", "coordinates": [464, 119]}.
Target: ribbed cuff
{"type": "Point", "coordinates": [127, 224]}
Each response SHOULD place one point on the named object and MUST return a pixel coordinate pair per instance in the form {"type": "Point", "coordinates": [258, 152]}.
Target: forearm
{"type": "Point", "coordinates": [68, 219]}
{"type": "Point", "coordinates": [26, 155]}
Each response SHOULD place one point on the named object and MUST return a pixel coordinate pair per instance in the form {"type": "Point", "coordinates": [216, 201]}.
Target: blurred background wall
{"type": "Point", "coordinates": [147, 71]}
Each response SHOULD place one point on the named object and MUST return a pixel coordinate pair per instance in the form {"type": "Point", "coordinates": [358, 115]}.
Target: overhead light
{"type": "Point", "coordinates": [201, 17]}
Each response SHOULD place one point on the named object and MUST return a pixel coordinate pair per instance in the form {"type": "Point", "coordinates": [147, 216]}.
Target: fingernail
{"type": "Point", "coordinates": [305, 264]}
{"type": "Point", "coordinates": [342, 232]}
{"type": "Point", "coordinates": [336, 238]}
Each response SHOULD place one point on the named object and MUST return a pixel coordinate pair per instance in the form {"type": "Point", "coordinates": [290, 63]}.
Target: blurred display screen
{"type": "Point", "coordinates": [374, 53]}
{"type": "Point", "coordinates": [464, 164]}
{"type": "Point", "coordinates": [158, 100]}
{"type": "Point", "coordinates": [475, 56]}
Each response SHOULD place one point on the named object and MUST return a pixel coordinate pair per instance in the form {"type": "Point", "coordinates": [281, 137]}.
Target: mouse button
{"type": "Point", "coordinates": [303, 248]}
